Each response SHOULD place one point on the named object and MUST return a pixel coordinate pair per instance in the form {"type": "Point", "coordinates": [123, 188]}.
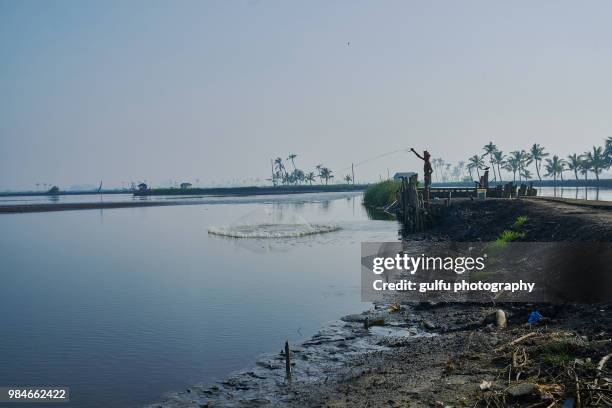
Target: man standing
{"type": "Point", "coordinates": [427, 170]}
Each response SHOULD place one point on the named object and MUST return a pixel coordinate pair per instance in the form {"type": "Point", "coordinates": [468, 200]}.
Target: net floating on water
{"type": "Point", "coordinates": [271, 224]}
{"type": "Point", "coordinates": [273, 230]}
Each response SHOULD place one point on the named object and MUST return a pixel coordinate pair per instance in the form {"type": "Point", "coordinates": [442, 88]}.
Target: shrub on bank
{"type": "Point", "coordinates": [381, 194]}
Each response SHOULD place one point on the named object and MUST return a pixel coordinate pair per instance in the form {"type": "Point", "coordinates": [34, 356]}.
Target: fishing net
{"type": "Point", "coordinates": [271, 224]}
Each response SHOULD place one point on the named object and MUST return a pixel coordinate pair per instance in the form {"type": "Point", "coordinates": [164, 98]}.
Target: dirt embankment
{"type": "Point", "coordinates": [559, 361]}
{"type": "Point", "coordinates": [549, 220]}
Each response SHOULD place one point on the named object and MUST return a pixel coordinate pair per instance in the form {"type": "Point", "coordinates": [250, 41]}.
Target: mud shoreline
{"type": "Point", "coordinates": [447, 354]}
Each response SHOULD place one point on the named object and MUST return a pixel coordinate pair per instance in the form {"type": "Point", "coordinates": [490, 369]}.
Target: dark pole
{"type": "Point", "coordinates": [287, 360]}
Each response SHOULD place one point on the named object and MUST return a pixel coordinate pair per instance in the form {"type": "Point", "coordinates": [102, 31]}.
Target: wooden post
{"type": "Point", "coordinates": [413, 206]}
{"type": "Point", "coordinates": [287, 359]}
{"type": "Point", "coordinates": [353, 170]}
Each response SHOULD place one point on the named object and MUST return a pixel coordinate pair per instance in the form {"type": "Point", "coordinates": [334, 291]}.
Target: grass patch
{"type": "Point", "coordinates": [507, 236]}
{"type": "Point", "coordinates": [520, 221]}
{"type": "Point", "coordinates": [558, 353]}
{"type": "Point", "coordinates": [381, 194]}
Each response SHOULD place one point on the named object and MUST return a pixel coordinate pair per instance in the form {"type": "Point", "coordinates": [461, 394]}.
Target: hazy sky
{"type": "Point", "coordinates": [179, 90]}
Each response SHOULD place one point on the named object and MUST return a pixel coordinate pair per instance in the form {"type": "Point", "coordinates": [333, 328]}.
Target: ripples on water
{"type": "Point", "coordinates": [123, 305]}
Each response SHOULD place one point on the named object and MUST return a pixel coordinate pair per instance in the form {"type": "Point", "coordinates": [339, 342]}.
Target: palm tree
{"type": "Point", "coordinates": [298, 176]}
{"type": "Point", "coordinates": [499, 158]}
{"type": "Point", "coordinates": [278, 163]}
{"type": "Point", "coordinates": [608, 152]}
{"type": "Point", "coordinates": [476, 162]}
{"type": "Point", "coordinates": [461, 168]}
{"type": "Point", "coordinates": [574, 164]}
{"type": "Point", "coordinates": [310, 177]}
{"type": "Point", "coordinates": [441, 166]}
{"type": "Point", "coordinates": [537, 154]}
{"type": "Point", "coordinates": [470, 167]}
{"type": "Point", "coordinates": [522, 158]}
{"type": "Point", "coordinates": [553, 167]}
{"type": "Point", "coordinates": [326, 174]}
{"type": "Point", "coordinates": [348, 179]}
{"type": "Point", "coordinates": [513, 165]}
{"type": "Point", "coordinates": [291, 157]}
{"type": "Point", "coordinates": [319, 167]}
{"type": "Point", "coordinates": [562, 168]}
{"type": "Point", "coordinates": [490, 151]}
{"type": "Point", "coordinates": [596, 160]}
{"type": "Point", "coordinates": [585, 167]}
{"type": "Point", "coordinates": [526, 174]}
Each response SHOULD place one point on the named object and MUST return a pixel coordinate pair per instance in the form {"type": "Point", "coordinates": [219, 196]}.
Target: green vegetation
{"type": "Point", "coordinates": [54, 190]}
{"type": "Point", "coordinates": [282, 174]}
{"type": "Point", "coordinates": [381, 194]}
{"type": "Point", "coordinates": [520, 222]}
{"type": "Point", "coordinates": [509, 236]}
{"type": "Point", "coordinates": [513, 234]}
{"type": "Point", "coordinates": [558, 352]}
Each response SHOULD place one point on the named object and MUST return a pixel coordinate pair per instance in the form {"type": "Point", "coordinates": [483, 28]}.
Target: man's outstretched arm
{"type": "Point", "coordinates": [417, 155]}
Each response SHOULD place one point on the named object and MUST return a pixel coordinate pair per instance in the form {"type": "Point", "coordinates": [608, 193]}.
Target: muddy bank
{"type": "Point", "coordinates": [448, 354]}
{"type": "Point", "coordinates": [549, 220]}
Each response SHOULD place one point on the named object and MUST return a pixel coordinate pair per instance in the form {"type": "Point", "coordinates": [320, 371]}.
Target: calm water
{"type": "Point", "coordinates": [123, 305]}
{"type": "Point", "coordinates": [581, 193]}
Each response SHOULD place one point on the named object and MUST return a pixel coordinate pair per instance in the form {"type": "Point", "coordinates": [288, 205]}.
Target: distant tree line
{"type": "Point", "coordinates": [285, 175]}
{"type": "Point", "coordinates": [525, 165]}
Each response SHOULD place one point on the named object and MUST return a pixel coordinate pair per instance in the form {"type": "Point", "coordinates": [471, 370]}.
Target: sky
{"type": "Point", "coordinates": [166, 91]}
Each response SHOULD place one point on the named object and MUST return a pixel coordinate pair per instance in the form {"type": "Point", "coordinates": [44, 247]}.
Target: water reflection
{"type": "Point", "coordinates": [578, 193]}
{"type": "Point", "coordinates": [143, 300]}
{"type": "Point", "coordinates": [377, 214]}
